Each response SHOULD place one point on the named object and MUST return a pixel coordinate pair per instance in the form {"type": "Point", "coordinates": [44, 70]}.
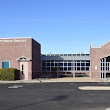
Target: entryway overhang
{"type": "Point", "coordinates": [23, 59]}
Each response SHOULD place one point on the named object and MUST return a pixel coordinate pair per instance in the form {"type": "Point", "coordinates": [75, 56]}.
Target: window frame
{"type": "Point", "coordinates": [5, 61]}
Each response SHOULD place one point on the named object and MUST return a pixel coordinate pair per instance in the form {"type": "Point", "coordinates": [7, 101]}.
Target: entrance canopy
{"type": "Point", "coordinates": [23, 58]}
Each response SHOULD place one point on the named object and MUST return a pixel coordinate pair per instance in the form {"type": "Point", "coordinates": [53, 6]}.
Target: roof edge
{"type": "Point", "coordinates": [15, 37]}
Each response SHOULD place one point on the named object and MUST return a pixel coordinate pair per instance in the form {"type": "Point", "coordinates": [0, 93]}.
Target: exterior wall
{"type": "Point", "coordinates": [96, 54]}
{"type": "Point", "coordinates": [36, 59]}
{"type": "Point", "coordinates": [11, 49]}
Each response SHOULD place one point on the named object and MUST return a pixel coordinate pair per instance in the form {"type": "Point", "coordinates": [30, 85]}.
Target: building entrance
{"type": "Point", "coordinates": [24, 73]}
{"type": "Point", "coordinates": [24, 70]}
{"type": "Point", "coordinates": [105, 68]}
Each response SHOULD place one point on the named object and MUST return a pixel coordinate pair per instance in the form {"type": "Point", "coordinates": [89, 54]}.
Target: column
{"type": "Point", "coordinates": [104, 68]}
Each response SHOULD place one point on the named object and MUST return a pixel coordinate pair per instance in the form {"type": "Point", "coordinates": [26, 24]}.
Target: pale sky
{"type": "Point", "coordinates": [60, 26]}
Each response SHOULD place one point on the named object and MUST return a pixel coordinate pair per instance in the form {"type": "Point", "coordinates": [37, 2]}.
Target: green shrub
{"type": "Point", "coordinates": [8, 74]}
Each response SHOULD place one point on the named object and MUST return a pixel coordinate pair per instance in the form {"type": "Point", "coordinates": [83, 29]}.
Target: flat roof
{"type": "Point", "coordinates": [15, 37]}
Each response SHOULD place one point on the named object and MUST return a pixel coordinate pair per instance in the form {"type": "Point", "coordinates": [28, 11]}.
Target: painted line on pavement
{"type": "Point", "coordinates": [94, 88]}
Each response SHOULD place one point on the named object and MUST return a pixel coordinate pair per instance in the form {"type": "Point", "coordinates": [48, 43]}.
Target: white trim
{"type": "Point", "coordinates": [5, 61]}
{"type": "Point", "coordinates": [26, 59]}
{"type": "Point", "coordinates": [16, 38]}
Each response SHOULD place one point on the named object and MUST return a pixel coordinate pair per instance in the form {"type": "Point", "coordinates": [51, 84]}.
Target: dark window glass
{"type": "Point", "coordinates": [60, 64]}
{"type": "Point", "coordinates": [106, 64]}
{"type": "Point", "coordinates": [61, 68]}
{"type": "Point", "coordinates": [87, 68]}
{"type": "Point", "coordinates": [48, 68]}
{"type": "Point", "coordinates": [78, 68]}
{"type": "Point", "coordinates": [101, 68]}
{"type": "Point", "coordinates": [69, 68]}
{"type": "Point", "coordinates": [65, 68]}
{"type": "Point", "coordinates": [65, 64]}
{"type": "Point", "coordinates": [48, 64]}
{"type": "Point", "coordinates": [82, 68]}
{"type": "Point", "coordinates": [78, 64]}
{"type": "Point", "coordinates": [55, 64]}
{"type": "Point", "coordinates": [82, 64]}
{"type": "Point", "coordinates": [108, 68]}
{"type": "Point", "coordinates": [22, 67]}
{"type": "Point", "coordinates": [52, 64]}
{"type": "Point", "coordinates": [43, 64]}
{"type": "Point", "coordinates": [103, 64]}
{"type": "Point", "coordinates": [77, 60]}
{"type": "Point", "coordinates": [87, 64]}
{"type": "Point", "coordinates": [69, 64]}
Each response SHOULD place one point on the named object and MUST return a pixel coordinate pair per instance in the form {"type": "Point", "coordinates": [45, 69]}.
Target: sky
{"type": "Point", "coordinates": [60, 26]}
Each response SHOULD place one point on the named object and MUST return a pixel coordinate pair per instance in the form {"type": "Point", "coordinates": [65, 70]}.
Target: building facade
{"type": "Point", "coordinates": [25, 55]}
{"type": "Point", "coordinates": [100, 61]}
{"type": "Point", "coordinates": [66, 64]}
{"type": "Point", "coordinates": [95, 65]}
{"type": "Point", "coordinates": [22, 54]}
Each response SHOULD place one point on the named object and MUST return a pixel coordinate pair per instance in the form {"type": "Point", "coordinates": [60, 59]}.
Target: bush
{"type": "Point", "coordinates": [8, 74]}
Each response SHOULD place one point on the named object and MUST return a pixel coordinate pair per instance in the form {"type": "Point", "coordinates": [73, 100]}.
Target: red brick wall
{"type": "Point", "coordinates": [96, 54]}
{"type": "Point", "coordinates": [36, 58]}
{"type": "Point", "coordinates": [15, 49]}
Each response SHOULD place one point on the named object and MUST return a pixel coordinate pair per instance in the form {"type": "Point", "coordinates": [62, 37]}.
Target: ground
{"type": "Point", "coordinates": [53, 96]}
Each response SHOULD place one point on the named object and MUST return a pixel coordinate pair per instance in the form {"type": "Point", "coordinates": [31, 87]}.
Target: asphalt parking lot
{"type": "Point", "coordinates": [53, 96]}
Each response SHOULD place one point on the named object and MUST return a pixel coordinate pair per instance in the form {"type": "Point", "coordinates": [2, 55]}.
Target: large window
{"type": "Point", "coordinates": [5, 64]}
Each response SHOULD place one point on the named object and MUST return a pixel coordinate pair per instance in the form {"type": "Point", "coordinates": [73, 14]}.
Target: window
{"type": "Point", "coordinates": [65, 68]}
{"type": "Point", "coordinates": [61, 68]}
{"type": "Point", "coordinates": [82, 68]}
{"type": "Point", "coordinates": [48, 64]}
{"type": "Point", "coordinates": [82, 64]}
{"type": "Point", "coordinates": [78, 68]}
{"type": "Point", "coordinates": [43, 64]}
{"type": "Point", "coordinates": [87, 64]}
{"type": "Point", "coordinates": [78, 64]}
{"type": "Point", "coordinates": [69, 64]}
{"type": "Point", "coordinates": [65, 64]}
{"type": "Point", "coordinates": [60, 64]}
{"type": "Point", "coordinates": [5, 64]}
{"type": "Point", "coordinates": [87, 68]}
{"type": "Point", "coordinates": [69, 68]}
{"type": "Point", "coordinates": [52, 64]}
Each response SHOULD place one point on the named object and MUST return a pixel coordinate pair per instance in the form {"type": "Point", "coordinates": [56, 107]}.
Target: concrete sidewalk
{"type": "Point", "coordinates": [47, 80]}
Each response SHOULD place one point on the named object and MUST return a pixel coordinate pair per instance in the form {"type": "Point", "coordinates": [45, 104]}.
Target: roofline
{"type": "Point", "coordinates": [105, 44]}
{"type": "Point", "coordinates": [16, 37]}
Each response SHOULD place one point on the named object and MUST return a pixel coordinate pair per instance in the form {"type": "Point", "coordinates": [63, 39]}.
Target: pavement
{"type": "Point", "coordinates": [59, 80]}
{"type": "Point", "coordinates": [53, 96]}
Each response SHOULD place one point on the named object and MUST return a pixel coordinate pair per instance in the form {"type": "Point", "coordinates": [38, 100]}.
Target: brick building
{"type": "Point", "coordinates": [25, 55]}
{"type": "Point", "coordinates": [22, 54]}
{"type": "Point", "coordinates": [100, 61]}
{"type": "Point", "coordinates": [95, 65]}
